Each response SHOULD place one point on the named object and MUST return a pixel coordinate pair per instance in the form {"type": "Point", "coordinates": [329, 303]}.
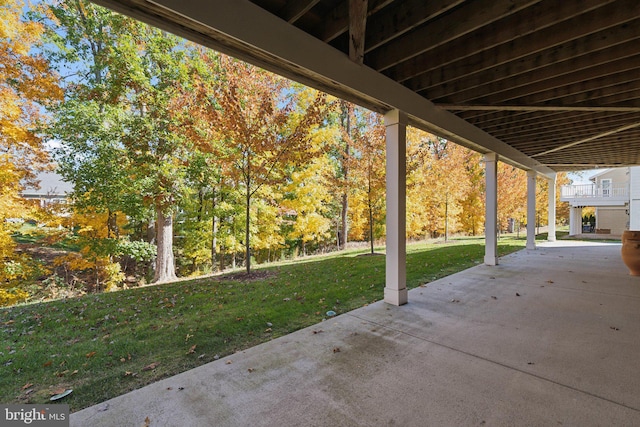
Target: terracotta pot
{"type": "Point", "coordinates": [631, 251]}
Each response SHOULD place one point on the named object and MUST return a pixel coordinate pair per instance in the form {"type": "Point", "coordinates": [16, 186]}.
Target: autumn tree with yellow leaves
{"type": "Point", "coordinates": [27, 84]}
{"type": "Point", "coordinates": [263, 132]}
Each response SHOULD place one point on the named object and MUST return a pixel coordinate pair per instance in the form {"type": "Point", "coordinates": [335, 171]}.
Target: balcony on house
{"type": "Point", "coordinates": [595, 195]}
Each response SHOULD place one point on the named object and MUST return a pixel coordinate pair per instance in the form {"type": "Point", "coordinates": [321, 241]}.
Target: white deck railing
{"type": "Point", "coordinates": [594, 191]}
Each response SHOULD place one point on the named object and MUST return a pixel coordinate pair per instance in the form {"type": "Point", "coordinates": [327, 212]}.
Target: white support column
{"type": "Point", "coordinates": [491, 209]}
{"type": "Point", "coordinates": [531, 209]}
{"type": "Point", "coordinates": [551, 236]}
{"type": "Point", "coordinates": [575, 221]}
{"type": "Point", "coordinates": [395, 291]}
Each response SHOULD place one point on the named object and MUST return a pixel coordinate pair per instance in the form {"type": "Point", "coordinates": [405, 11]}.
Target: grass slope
{"type": "Point", "coordinates": [102, 346]}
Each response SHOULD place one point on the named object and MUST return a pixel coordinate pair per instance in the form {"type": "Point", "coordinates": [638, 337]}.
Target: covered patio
{"type": "Point", "coordinates": [548, 337]}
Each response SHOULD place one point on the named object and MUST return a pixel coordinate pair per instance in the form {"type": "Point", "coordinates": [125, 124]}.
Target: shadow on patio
{"type": "Point", "coordinates": [548, 337]}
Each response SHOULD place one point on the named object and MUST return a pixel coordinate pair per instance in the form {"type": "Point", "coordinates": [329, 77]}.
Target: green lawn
{"type": "Point", "coordinates": [105, 345]}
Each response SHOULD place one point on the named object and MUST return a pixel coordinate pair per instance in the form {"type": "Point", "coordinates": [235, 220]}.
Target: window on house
{"type": "Point", "coordinates": [606, 187]}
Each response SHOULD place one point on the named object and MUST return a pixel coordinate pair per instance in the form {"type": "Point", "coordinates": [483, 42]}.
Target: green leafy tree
{"type": "Point", "coordinates": [121, 144]}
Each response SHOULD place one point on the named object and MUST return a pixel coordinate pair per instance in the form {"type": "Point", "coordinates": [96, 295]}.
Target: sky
{"type": "Point", "coordinates": [583, 177]}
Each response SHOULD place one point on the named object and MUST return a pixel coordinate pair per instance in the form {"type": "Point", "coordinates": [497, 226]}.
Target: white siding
{"type": "Point", "coordinates": [634, 203]}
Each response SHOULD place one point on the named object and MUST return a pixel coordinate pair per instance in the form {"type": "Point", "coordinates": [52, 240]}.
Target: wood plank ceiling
{"type": "Point", "coordinates": [557, 80]}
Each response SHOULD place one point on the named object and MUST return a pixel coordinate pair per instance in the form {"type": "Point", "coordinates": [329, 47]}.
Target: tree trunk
{"type": "Point", "coordinates": [200, 204]}
{"type": "Point", "coordinates": [370, 214]}
{"type": "Point", "coordinates": [214, 232]}
{"type": "Point", "coordinates": [165, 266]}
{"type": "Point", "coordinates": [345, 225]}
{"type": "Point", "coordinates": [371, 226]}
{"type": "Point", "coordinates": [446, 218]}
{"type": "Point", "coordinates": [247, 233]}
{"type": "Point", "coordinates": [346, 110]}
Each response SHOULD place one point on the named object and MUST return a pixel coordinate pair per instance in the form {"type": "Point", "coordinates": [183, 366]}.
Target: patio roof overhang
{"type": "Point", "coordinates": [548, 86]}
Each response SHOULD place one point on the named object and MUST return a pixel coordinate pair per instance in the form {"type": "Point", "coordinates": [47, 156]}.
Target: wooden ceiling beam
{"type": "Point", "coordinates": [295, 9]}
{"type": "Point", "coordinates": [534, 141]}
{"type": "Point", "coordinates": [535, 124]}
{"type": "Point", "coordinates": [526, 107]}
{"type": "Point", "coordinates": [443, 30]}
{"type": "Point", "coordinates": [586, 32]}
{"type": "Point", "coordinates": [559, 136]}
{"type": "Point", "coordinates": [611, 95]}
{"type": "Point", "coordinates": [536, 18]}
{"type": "Point", "coordinates": [337, 22]}
{"type": "Point", "coordinates": [550, 129]}
{"type": "Point", "coordinates": [357, 28]}
{"type": "Point", "coordinates": [395, 21]}
{"type": "Point", "coordinates": [568, 167]}
{"type": "Point", "coordinates": [599, 153]}
{"type": "Point", "coordinates": [584, 80]}
{"type": "Point", "coordinates": [511, 118]}
{"type": "Point", "coordinates": [534, 70]}
{"type": "Point", "coordinates": [591, 138]}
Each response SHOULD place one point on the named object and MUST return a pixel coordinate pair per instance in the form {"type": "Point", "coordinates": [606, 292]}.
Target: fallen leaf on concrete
{"type": "Point", "coordinates": [614, 328]}
{"type": "Point", "coordinates": [336, 350]}
{"type": "Point", "coordinates": [318, 332]}
{"type": "Point", "coordinates": [250, 370]}
{"type": "Point", "coordinates": [494, 297]}
{"type": "Point", "coordinates": [147, 422]}
{"type": "Point", "coordinates": [229, 362]}
{"type": "Point", "coordinates": [549, 281]}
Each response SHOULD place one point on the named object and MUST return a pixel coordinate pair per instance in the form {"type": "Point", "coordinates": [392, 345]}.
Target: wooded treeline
{"type": "Point", "coordinates": [185, 161]}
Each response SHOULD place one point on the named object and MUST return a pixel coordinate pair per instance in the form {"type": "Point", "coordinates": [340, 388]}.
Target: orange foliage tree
{"type": "Point", "coordinates": [26, 85]}
{"type": "Point", "coordinates": [263, 132]}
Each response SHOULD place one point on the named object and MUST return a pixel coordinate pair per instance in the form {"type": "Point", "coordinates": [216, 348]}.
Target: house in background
{"type": "Point", "coordinates": [615, 195]}
{"type": "Point", "coordinates": [52, 189]}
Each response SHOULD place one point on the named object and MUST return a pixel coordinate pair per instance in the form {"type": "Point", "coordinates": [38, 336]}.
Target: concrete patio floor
{"type": "Point", "coordinates": [549, 337]}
